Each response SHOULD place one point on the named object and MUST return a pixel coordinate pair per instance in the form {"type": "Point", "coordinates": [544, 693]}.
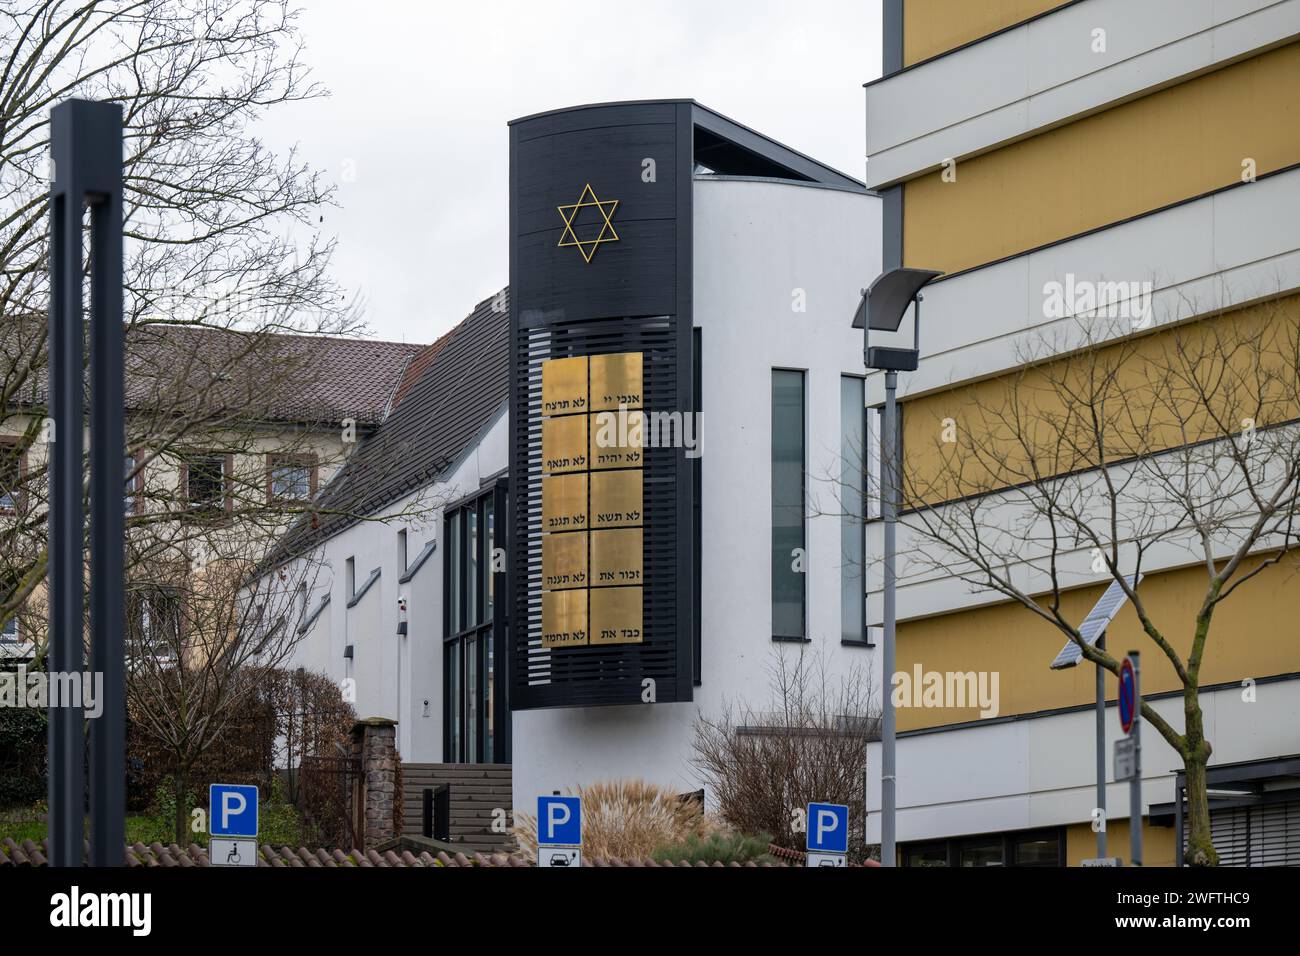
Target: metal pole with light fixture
{"type": "Point", "coordinates": [882, 308]}
{"type": "Point", "coordinates": [86, 150]}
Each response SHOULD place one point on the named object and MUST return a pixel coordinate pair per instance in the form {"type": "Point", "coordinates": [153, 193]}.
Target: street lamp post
{"type": "Point", "coordinates": [882, 309]}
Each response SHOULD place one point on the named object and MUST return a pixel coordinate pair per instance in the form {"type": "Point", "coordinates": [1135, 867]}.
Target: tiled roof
{"type": "Point", "coordinates": [279, 377]}
{"type": "Point", "coordinates": [29, 853]}
{"type": "Point", "coordinates": [415, 368]}
{"type": "Point", "coordinates": [463, 384]}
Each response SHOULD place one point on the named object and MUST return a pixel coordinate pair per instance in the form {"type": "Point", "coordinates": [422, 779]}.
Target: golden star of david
{"type": "Point", "coordinates": [568, 213]}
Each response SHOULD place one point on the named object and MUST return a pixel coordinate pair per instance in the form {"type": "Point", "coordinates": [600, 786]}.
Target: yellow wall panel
{"type": "Point", "coordinates": [1157, 843]}
{"type": "Point", "coordinates": [931, 27]}
{"type": "Point", "coordinates": [1000, 432]}
{"type": "Point", "coordinates": [1255, 633]}
{"type": "Point", "coordinates": [1132, 159]}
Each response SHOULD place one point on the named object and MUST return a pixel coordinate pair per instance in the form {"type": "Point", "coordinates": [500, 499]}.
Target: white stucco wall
{"type": "Point", "coordinates": [395, 675]}
{"type": "Point", "coordinates": [756, 244]}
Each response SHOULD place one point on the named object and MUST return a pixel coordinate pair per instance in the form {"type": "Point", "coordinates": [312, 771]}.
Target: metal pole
{"type": "Point", "coordinates": [1135, 785]}
{"type": "Point", "coordinates": [889, 512]}
{"type": "Point", "coordinates": [103, 122]}
{"type": "Point", "coordinates": [1101, 751]}
{"type": "Point", "coordinates": [67, 780]}
{"type": "Point", "coordinates": [86, 147]}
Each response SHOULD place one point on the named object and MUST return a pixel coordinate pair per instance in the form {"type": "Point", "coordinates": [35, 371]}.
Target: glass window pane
{"type": "Point", "coordinates": [128, 493]}
{"type": "Point", "coordinates": [1038, 851]}
{"type": "Point", "coordinates": [930, 854]}
{"type": "Point", "coordinates": [471, 700]}
{"type": "Point", "coordinates": [983, 853]}
{"type": "Point", "coordinates": [853, 444]}
{"type": "Point", "coordinates": [453, 701]}
{"type": "Point", "coordinates": [788, 557]}
{"type": "Point", "coordinates": [489, 739]}
{"type": "Point", "coordinates": [490, 536]}
{"type": "Point", "coordinates": [290, 480]}
{"type": "Point", "coordinates": [473, 562]}
{"type": "Point", "coordinates": [454, 574]}
{"type": "Point", "coordinates": [205, 483]}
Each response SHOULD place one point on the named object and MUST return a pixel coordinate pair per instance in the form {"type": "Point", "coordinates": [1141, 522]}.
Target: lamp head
{"type": "Point", "coordinates": [883, 304]}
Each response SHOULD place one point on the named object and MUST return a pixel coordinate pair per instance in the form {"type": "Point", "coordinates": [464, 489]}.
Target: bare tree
{"type": "Point", "coordinates": [810, 744]}
{"type": "Point", "coordinates": [206, 638]}
{"type": "Point", "coordinates": [222, 233]}
{"type": "Point", "coordinates": [1132, 453]}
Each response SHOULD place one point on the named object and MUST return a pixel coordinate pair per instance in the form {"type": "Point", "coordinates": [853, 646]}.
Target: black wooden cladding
{"type": "Point", "coordinates": [633, 296]}
{"type": "Point", "coordinates": [599, 674]}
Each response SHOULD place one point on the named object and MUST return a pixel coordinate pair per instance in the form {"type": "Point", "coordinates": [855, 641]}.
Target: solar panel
{"type": "Point", "coordinates": [1094, 625]}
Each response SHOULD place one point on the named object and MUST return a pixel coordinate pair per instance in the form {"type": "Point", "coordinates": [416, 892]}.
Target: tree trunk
{"type": "Point", "coordinates": [182, 818]}
{"type": "Point", "coordinates": [1196, 754]}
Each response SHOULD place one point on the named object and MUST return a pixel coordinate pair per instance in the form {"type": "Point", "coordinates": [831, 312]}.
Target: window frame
{"type": "Point", "coordinates": [305, 460]}
{"type": "Point", "coordinates": [227, 506]}
{"type": "Point", "coordinates": [485, 636]}
{"type": "Point", "coordinates": [18, 495]}
{"type": "Point", "coordinates": [1009, 840]}
{"type": "Point", "coordinates": [802, 637]}
{"type": "Point", "coordinates": [134, 484]}
{"type": "Point", "coordinates": [863, 516]}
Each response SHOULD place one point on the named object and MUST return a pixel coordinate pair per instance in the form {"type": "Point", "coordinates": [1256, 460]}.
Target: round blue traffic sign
{"type": "Point", "coordinates": [1127, 695]}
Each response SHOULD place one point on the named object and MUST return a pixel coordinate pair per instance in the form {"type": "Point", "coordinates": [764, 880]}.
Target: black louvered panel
{"type": "Point", "coordinates": [1267, 834]}
{"type": "Point", "coordinates": [1275, 835]}
{"type": "Point", "coordinates": [609, 674]}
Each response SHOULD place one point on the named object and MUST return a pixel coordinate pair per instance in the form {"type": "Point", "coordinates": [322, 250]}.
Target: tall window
{"type": "Point", "coordinates": [9, 632]}
{"type": "Point", "coordinates": [474, 705]}
{"type": "Point", "coordinates": [853, 500]}
{"type": "Point", "coordinates": [134, 484]}
{"type": "Point", "coordinates": [875, 438]}
{"type": "Point", "coordinates": [154, 623]}
{"type": "Point", "coordinates": [11, 476]}
{"type": "Point", "coordinates": [789, 541]}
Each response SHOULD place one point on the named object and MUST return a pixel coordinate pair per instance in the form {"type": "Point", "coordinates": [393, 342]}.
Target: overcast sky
{"type": "Point", "coordinates": [414, 131]}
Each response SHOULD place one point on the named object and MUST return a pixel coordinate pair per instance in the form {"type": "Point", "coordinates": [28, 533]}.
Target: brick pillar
{"type": "Point", "coordinates": [374, 742]}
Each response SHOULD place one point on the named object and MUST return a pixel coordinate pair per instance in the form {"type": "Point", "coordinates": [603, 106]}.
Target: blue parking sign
{"type": "Point", "coordinates": [232, 810]}
{"type": "Point", "coordinates": [559, 821]}
{"type": "Point", "coordinates": [828, 828]}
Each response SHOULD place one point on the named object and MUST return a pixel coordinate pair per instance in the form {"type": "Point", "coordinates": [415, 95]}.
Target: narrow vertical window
{"type": "Point", "coordinates": [350, 577]}
{"type": "Point", "coordinates": [401, 551]}
{"type": "Point", "coordinates": [852, 501]}
{"type": "Point", "coordinates": [454, 556]}
{"type": "Point", "coordinates": [789, 552]}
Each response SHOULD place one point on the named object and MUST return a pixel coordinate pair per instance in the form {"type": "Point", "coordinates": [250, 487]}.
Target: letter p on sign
{"type": "Point", "coordinates": [232, 810]}
{"type": "Point", "coordinates": [828, 828]}
{"type": "Point", "coordinates": [559, 821]}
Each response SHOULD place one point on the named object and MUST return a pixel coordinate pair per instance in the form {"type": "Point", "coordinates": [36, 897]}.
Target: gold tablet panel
{"type": "Point", "coordinates": [564, 618]}
{"type": "Point", "coordinates": [564, 444]}
{"type": "Point", "coordinates": [564, 386]}
{"type": "Point", "coordinates": [564, 560]}
{"type": "Point", "coordinates": [616, 499]}
{"type": "Point", "coordinates": [616, 380]}
{"type": "Point", "coordinates": [564, 503]}
{"type": "Point", "coordinates": [616, 557]}
{"type": "Point", "coordinates": [617, 440]}
{"type": "Point", "coordinates": [616, 616]}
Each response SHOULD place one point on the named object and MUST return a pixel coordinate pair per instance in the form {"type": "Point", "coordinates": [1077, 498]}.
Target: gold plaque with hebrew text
{"type": "Point", "coordinates": [564, 618]}
{"type": "Point", "coordinates": [616, 500]}
{"type": "Point", "coordinates": [564, 386]}
{"type": "Point", "coordinates": [616, 380]}
{"type": "Point", "coordinates": [616, 616]}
